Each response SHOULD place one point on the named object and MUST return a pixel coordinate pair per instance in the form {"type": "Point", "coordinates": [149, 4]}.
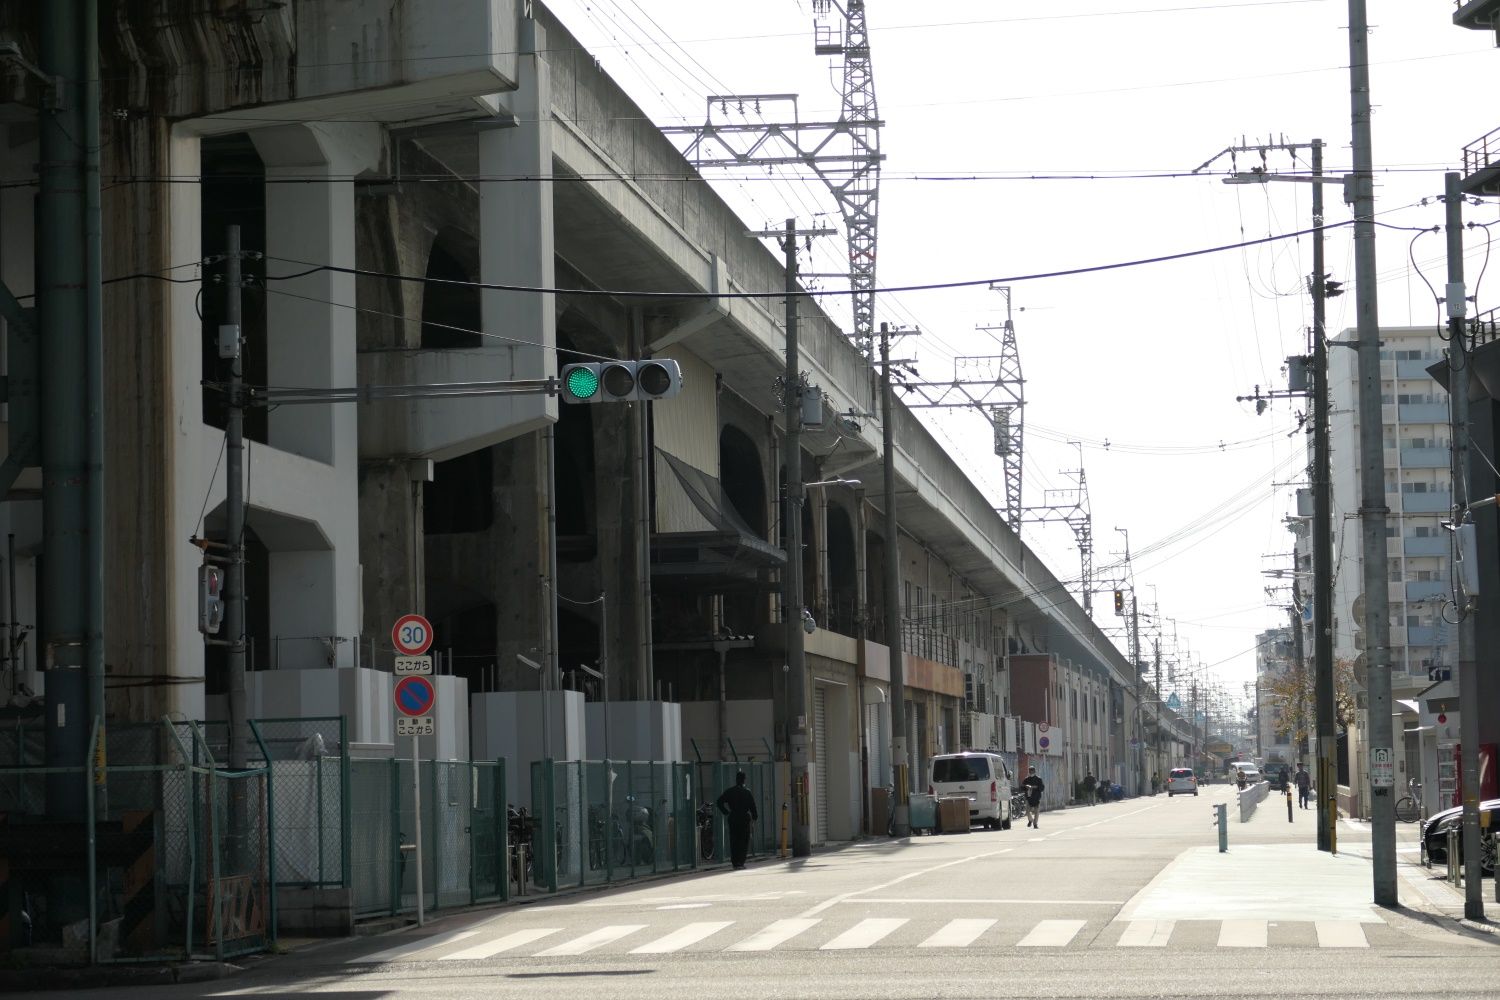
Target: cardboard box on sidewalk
{"type": "Point", "coordinates": [953, 814]}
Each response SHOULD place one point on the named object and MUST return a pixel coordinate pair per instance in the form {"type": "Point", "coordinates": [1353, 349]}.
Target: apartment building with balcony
{"type": "Point", "coordinates": [1419, 495]}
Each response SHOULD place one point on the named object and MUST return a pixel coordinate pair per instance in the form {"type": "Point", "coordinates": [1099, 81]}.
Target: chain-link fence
{"type": "Point", "coordinates": [605, 821]}
{"type": "Point", "coordinates": [309, 777]}
{"type": "Point", "coordinates": [169, 860]}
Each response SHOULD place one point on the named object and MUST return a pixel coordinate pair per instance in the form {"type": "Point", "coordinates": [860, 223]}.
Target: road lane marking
{"type": "Point", "coordinates": [1341, 934]}
{"type": "Point", "coordinates": [904, 900]}
{"type": "Point", "coordinates": [835, 900]}
{"type": "Point", "coordinates": [412, 947]}
{"type": "Point", "coordinates": [1146, 934]}
{"type": "Point", "coordinates": [958, 933]}
{"type": "Point", "coordinates": [592, 940]}
{"type": "Point", "coordinates": [1051, 934]}
{"type": "Point", "coordinates": [681, 938]}
{"type": "Point", "coordinates": [1242, 933]}
{"type": "Point", "coordinates": [774, 934]}
{"type": "Point", "coordinates": [864, 933]}
{"type": "Point", "coordinates": [502, 944]}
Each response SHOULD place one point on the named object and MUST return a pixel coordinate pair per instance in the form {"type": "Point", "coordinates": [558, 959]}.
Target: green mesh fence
{"type": "Point", "coordinates": [611, 820]}
{"type": "Point", "coordinates": [308, 783]}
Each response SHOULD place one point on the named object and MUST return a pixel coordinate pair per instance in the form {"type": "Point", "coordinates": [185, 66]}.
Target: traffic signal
{"type": "Point", "coordinates": [1119, 602]}
{"type": "Point", "coordinates": [620, 381]}
{"type": "Point", "coordinates": [1332, 289]}
{"type": "Point", "coordinates": [210, 599]}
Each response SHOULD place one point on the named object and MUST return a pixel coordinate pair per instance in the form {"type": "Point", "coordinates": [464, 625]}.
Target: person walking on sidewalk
{"type": "Point", "coordinates": [1304, 785]}
{"type": "Point", "coordinates": [1034, 787]}
{"type": "Point", "coordinates": [1089, 784]}
{"type": "Point", "coordinates": [739, 805]}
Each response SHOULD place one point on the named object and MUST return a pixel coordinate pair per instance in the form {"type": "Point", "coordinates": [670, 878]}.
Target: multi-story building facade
{"type": "Point", "coordinates": [1419, 495]}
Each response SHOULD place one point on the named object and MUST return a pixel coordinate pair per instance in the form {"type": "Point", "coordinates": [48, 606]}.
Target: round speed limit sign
{"type": "Point", "coordinates": [411, 635]}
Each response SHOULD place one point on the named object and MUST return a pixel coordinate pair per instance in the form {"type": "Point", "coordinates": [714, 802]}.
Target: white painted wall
{"type": "Point", "coordinates": [508, 725]}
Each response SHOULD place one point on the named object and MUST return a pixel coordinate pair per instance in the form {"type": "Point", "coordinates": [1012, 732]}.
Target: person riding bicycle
{"type": "Point", "coordinates": [1034, 787]}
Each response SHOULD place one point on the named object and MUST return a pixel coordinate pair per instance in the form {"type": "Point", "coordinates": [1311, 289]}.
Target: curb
{"type": "Point", "coordinates": [105, 976]}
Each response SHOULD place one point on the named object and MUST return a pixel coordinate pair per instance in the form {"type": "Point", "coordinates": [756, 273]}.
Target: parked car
{"type": "Point", "coordinates": [1435, 835]}
{"type": "Point", "coordinates": [1182, 780]}
{"type": "Point", "coordinates": [983, 777]}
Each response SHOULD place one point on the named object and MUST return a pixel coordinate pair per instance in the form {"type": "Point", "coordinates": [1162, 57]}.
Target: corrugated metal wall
{"type": "Point", "coordinates": [686, 427]}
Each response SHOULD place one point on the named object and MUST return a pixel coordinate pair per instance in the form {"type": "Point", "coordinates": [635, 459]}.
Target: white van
{"type": "Point", "coordinates": [983, 777]}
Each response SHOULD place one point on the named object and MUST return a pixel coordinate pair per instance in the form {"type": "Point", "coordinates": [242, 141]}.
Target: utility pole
{"type": "Point", "coordinates": [901, 821]}
{"type": "Point", "coordinates": [1377, 624]}
{"type": "Point", "coordinates": [231, 341]}
{"type": "Point", "coordinates": [1140, 708]}
{"type": "Point", "coordinates": [791, 579]}
{"type": "Point", "coordinates": [1459, 371]}
{"type": "Point", "coordinates": [1322, 533]}
{"type": "Point", "coordinates": [1160, 705]}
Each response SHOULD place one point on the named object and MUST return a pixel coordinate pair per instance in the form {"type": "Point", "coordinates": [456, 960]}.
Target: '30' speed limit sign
{"type": "Point", "coordinates": [411, 635]}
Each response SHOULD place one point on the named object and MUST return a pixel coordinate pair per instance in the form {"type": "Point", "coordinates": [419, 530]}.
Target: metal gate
{"type": "Point", "coordinates": [820, 763]}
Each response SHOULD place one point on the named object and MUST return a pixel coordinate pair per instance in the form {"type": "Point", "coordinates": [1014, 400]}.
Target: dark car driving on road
{"type": "Point", "coordinates": [1435, 835]}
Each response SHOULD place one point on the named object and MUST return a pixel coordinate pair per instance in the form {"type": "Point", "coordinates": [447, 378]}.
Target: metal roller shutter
{"type": "Point", "coordinates": [820, 764]}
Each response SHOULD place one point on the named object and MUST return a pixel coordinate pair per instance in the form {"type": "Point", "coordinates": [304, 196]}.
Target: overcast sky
{"type": "Point", "coordinates": [1015, 131]}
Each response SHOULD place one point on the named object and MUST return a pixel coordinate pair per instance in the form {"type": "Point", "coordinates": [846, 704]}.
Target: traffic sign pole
{"type": "Point", "coordinates": [416, 805]}
{"type": "Point", "coordinates": [412, 637]}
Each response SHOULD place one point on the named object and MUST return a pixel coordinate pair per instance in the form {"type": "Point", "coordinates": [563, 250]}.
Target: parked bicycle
{"type": "Point", "coordinates": [706, 830]}
{"type": "Point", "coordinates": [1408, 807]}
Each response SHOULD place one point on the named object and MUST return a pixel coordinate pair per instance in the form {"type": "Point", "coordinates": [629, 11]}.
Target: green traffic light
{"type": "Point", "coordinates": [583, 383]}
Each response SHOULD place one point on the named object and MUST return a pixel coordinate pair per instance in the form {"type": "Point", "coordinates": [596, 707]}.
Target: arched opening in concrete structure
{"type": "Point", "coordinates": [743, 477]}
{"type": "Point", "coordinates": [450, 312]}
{"type": "Point", "coordinates": [843, 578]}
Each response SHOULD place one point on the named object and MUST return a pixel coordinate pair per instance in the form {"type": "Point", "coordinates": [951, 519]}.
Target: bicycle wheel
{"type": "Point", "coordinates": [1406, 809]}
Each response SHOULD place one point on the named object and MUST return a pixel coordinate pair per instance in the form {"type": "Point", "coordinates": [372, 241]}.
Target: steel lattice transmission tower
{"type": "Point", "coordinates": [1072, 508]}
{"type": "Point", "coordinates": [1008, 418]}
{"type": "Point", "coordinates": [845, 154]}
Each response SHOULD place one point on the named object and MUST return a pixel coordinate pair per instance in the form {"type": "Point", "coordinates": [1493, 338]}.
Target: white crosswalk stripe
{"type": "Point", "coordinates": [958, 933]}
{"type": "Point", "coordinates": [501, 944]}
{"type": "Point", "coordinates": [864, 933]}
{"type": "Point", "coordinates": [1242, 934]}
{"type": "Point", "coordinates": [401, 951]}
{"type": "Point", "coordinates": [682, 937]}
{"type": "Point", "coordinates": [1341, 934]}
{"type": "Point", "coordinates": [1051, 934]}
{"type": "Point", "coordinates": [867, 932]}
{"type": "Point", "coordinates": [774, 934]}
{"type": "Point", "coordinates": [591, 940]}
{"type": "Point", "coordinates": [1147, 934]}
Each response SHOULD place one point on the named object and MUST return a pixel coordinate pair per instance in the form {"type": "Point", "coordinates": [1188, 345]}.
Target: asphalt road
{"type": "Point", "coordinates": [1128, 899]}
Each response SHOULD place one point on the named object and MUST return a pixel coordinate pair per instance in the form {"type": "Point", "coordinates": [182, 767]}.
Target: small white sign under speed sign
{"type": "Point", "coordinates": [1382, 767]}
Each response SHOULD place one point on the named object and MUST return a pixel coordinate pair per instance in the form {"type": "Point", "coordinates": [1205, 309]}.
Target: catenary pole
{"type": "Point", "coordinates": [1377, 623]}
{"type": "Point", "coordinates": [1322, 534]}
{"type": "Point", "coordinates": [1459, 371]}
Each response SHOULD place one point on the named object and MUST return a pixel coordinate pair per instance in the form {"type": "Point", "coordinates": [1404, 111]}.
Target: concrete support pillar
{"type": "Point", "coordinates": [194, 447]}
{"type": "Point", "coordinates": [518, 542]}
{"type": "Point", "coordinates": [392, 549]}
{"type": "Point", "coordinates": [516, 247]}
{"type": "Point", "coordinates": [310, 341]}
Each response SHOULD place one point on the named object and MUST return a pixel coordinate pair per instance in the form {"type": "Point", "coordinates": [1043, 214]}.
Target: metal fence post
{"type": "Point", "coordinates": [435, 837]}
{"type": "Point", "coordinates": [93, 863]}
{"type": "Point", "coordinates": [1222, 819]}
{"type": "Point", "coordinates": [395, 836]}
{"type": "Point", "coordinates": [502, 824]}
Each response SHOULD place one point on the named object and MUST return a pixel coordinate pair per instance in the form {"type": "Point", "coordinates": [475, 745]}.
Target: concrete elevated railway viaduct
{"type": "Point", "coordinates": [476, 141]}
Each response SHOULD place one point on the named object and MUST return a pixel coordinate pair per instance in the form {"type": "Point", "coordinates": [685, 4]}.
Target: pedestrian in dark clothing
{"type": "Point", "coordinates": [1089, 784]}
{"type": "Point", "coordinates": [1034, 788]}
{"type": "Point", "coordinates": [739, 805]}
{"type": "Point", "coordinates": [1304, 785]}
